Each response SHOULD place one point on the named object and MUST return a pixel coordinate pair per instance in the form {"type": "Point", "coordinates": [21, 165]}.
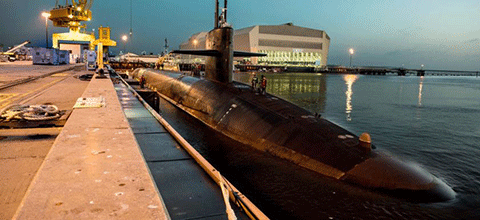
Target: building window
{"type": "Point", "coordinates": [290, 58]}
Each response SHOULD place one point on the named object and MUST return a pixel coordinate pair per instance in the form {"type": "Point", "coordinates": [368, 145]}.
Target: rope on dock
{"type": "Point", "coordinates": [226, 195]}
{"type": "Point", "coordinates": [29, 112]}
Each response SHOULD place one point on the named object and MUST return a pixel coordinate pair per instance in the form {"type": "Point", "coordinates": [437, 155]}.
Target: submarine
{"type": "Point", "coordinates": [285, 130]}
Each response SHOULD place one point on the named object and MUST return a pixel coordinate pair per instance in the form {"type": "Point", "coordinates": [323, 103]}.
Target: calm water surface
{"type": "Point", "coordinates": [432, 121]}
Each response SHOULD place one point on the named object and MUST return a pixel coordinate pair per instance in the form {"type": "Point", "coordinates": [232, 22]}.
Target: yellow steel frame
{"type": "Point", "coordinates": [102, 43]}
{"type": "Point", "coordinates": [71, 16]}
{"type": "Point", "coordinates": [73, 36]}
{"type": "Point", "coordinates": [104, 37]}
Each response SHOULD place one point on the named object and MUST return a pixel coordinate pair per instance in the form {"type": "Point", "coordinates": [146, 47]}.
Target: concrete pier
{"type": "Point", "coordinates": [22, 71]}
{"type": "Point", "coordinates": [22, 151]}
{"type": "Point", "coordinates": [94, 170]}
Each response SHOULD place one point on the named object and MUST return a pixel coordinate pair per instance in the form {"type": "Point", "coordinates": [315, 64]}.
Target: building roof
{"type": "Point", "coordinates": [284, 29]}
{"type": "Point", "coordinates": [290, 29]}
{"type": "Point", "coordinates": [245, 30]}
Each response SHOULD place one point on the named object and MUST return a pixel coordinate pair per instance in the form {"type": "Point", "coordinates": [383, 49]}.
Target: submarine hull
{"type": "Point", "coordinates": [276, 126]}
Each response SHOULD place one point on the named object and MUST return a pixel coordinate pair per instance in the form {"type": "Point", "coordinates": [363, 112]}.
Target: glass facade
{"type": "Point", "coordinates": [290, 58]}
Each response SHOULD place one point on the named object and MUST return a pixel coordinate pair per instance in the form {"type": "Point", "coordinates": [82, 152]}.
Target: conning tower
{"type": "Point", "coordinates": [219, 49]}
{"type": "Point", "coordinates": [220, 67]}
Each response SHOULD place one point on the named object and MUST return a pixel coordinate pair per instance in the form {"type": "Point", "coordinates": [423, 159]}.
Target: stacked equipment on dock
{"type": "Point", "coordinates": [51, 56]}
{"type": "Point", "coordinates": [63, 57]}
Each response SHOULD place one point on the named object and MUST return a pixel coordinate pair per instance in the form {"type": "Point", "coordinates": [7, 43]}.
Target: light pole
{"type": "Point", "coordinates": [46, 15]}
{"type": "Point", "coordinates": [124, 38]}
{"type": "Point", "coordinates": [195, 42]}
{"type": "Point", "coordinates": [351, 51]}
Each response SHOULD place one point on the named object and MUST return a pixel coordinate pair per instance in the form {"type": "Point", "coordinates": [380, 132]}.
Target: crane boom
{"type": "Point", "coordinates": [18, 46]}
{"type": "Point", "coordinates": [89, 5]}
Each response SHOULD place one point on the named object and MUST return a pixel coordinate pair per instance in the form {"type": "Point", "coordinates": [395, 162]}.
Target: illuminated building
{"type": "Point", "coordinates": [284, 44]}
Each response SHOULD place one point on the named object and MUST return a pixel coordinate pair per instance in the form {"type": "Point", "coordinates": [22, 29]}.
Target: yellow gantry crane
{"type": "Point", "coordinates": [71, 15]}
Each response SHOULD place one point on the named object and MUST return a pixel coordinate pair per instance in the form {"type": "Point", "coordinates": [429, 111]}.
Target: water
{"type": "Point", "coordinates": [432, 121]}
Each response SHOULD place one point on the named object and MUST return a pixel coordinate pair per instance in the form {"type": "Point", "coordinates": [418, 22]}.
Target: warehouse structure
{"type": "Point", "coordinates": [284, 44]}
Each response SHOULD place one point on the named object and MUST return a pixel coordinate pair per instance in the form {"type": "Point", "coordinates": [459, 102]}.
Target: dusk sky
{"type": "Point", "coordinates": [441, 34]}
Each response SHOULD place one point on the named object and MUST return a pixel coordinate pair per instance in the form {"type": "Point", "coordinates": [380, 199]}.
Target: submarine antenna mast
{"type": "Point", "coordinates": [216, 14]}
{"type": "Point", "coordinates": [225, 12]}
{"type": "Point", "coordinates": [220, 19]}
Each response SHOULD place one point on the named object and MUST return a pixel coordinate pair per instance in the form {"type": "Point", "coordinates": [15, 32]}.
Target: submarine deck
{"type": "Point", "coordinates": [295, 120]}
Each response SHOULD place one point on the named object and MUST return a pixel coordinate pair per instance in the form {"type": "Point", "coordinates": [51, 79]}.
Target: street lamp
{"type": "Point", "coordinates": [46, 15]}
{"type": "Point", "coordinates": [351, 51]}
{"type": "Point", "coordinates": [124, 38]}
{"type": "Point", "coordinates": [195, 42]}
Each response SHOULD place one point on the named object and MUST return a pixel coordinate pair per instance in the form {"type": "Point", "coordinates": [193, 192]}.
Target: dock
{"type": "Point", "coordinates": [22, 151]}
{"type": "Point", "coordinates": [112, 159]}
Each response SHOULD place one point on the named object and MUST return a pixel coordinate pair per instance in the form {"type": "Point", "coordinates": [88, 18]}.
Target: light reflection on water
{"type": "Point", "coordinates": [349, 80]}
{"type": "Point", "coordinates": [420, 89]}
{"type": "Point", "coordinates": [418, 111]}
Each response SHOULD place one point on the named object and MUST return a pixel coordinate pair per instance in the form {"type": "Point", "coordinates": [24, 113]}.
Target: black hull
{"type": "Point", "coordinates": [278, 127]}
